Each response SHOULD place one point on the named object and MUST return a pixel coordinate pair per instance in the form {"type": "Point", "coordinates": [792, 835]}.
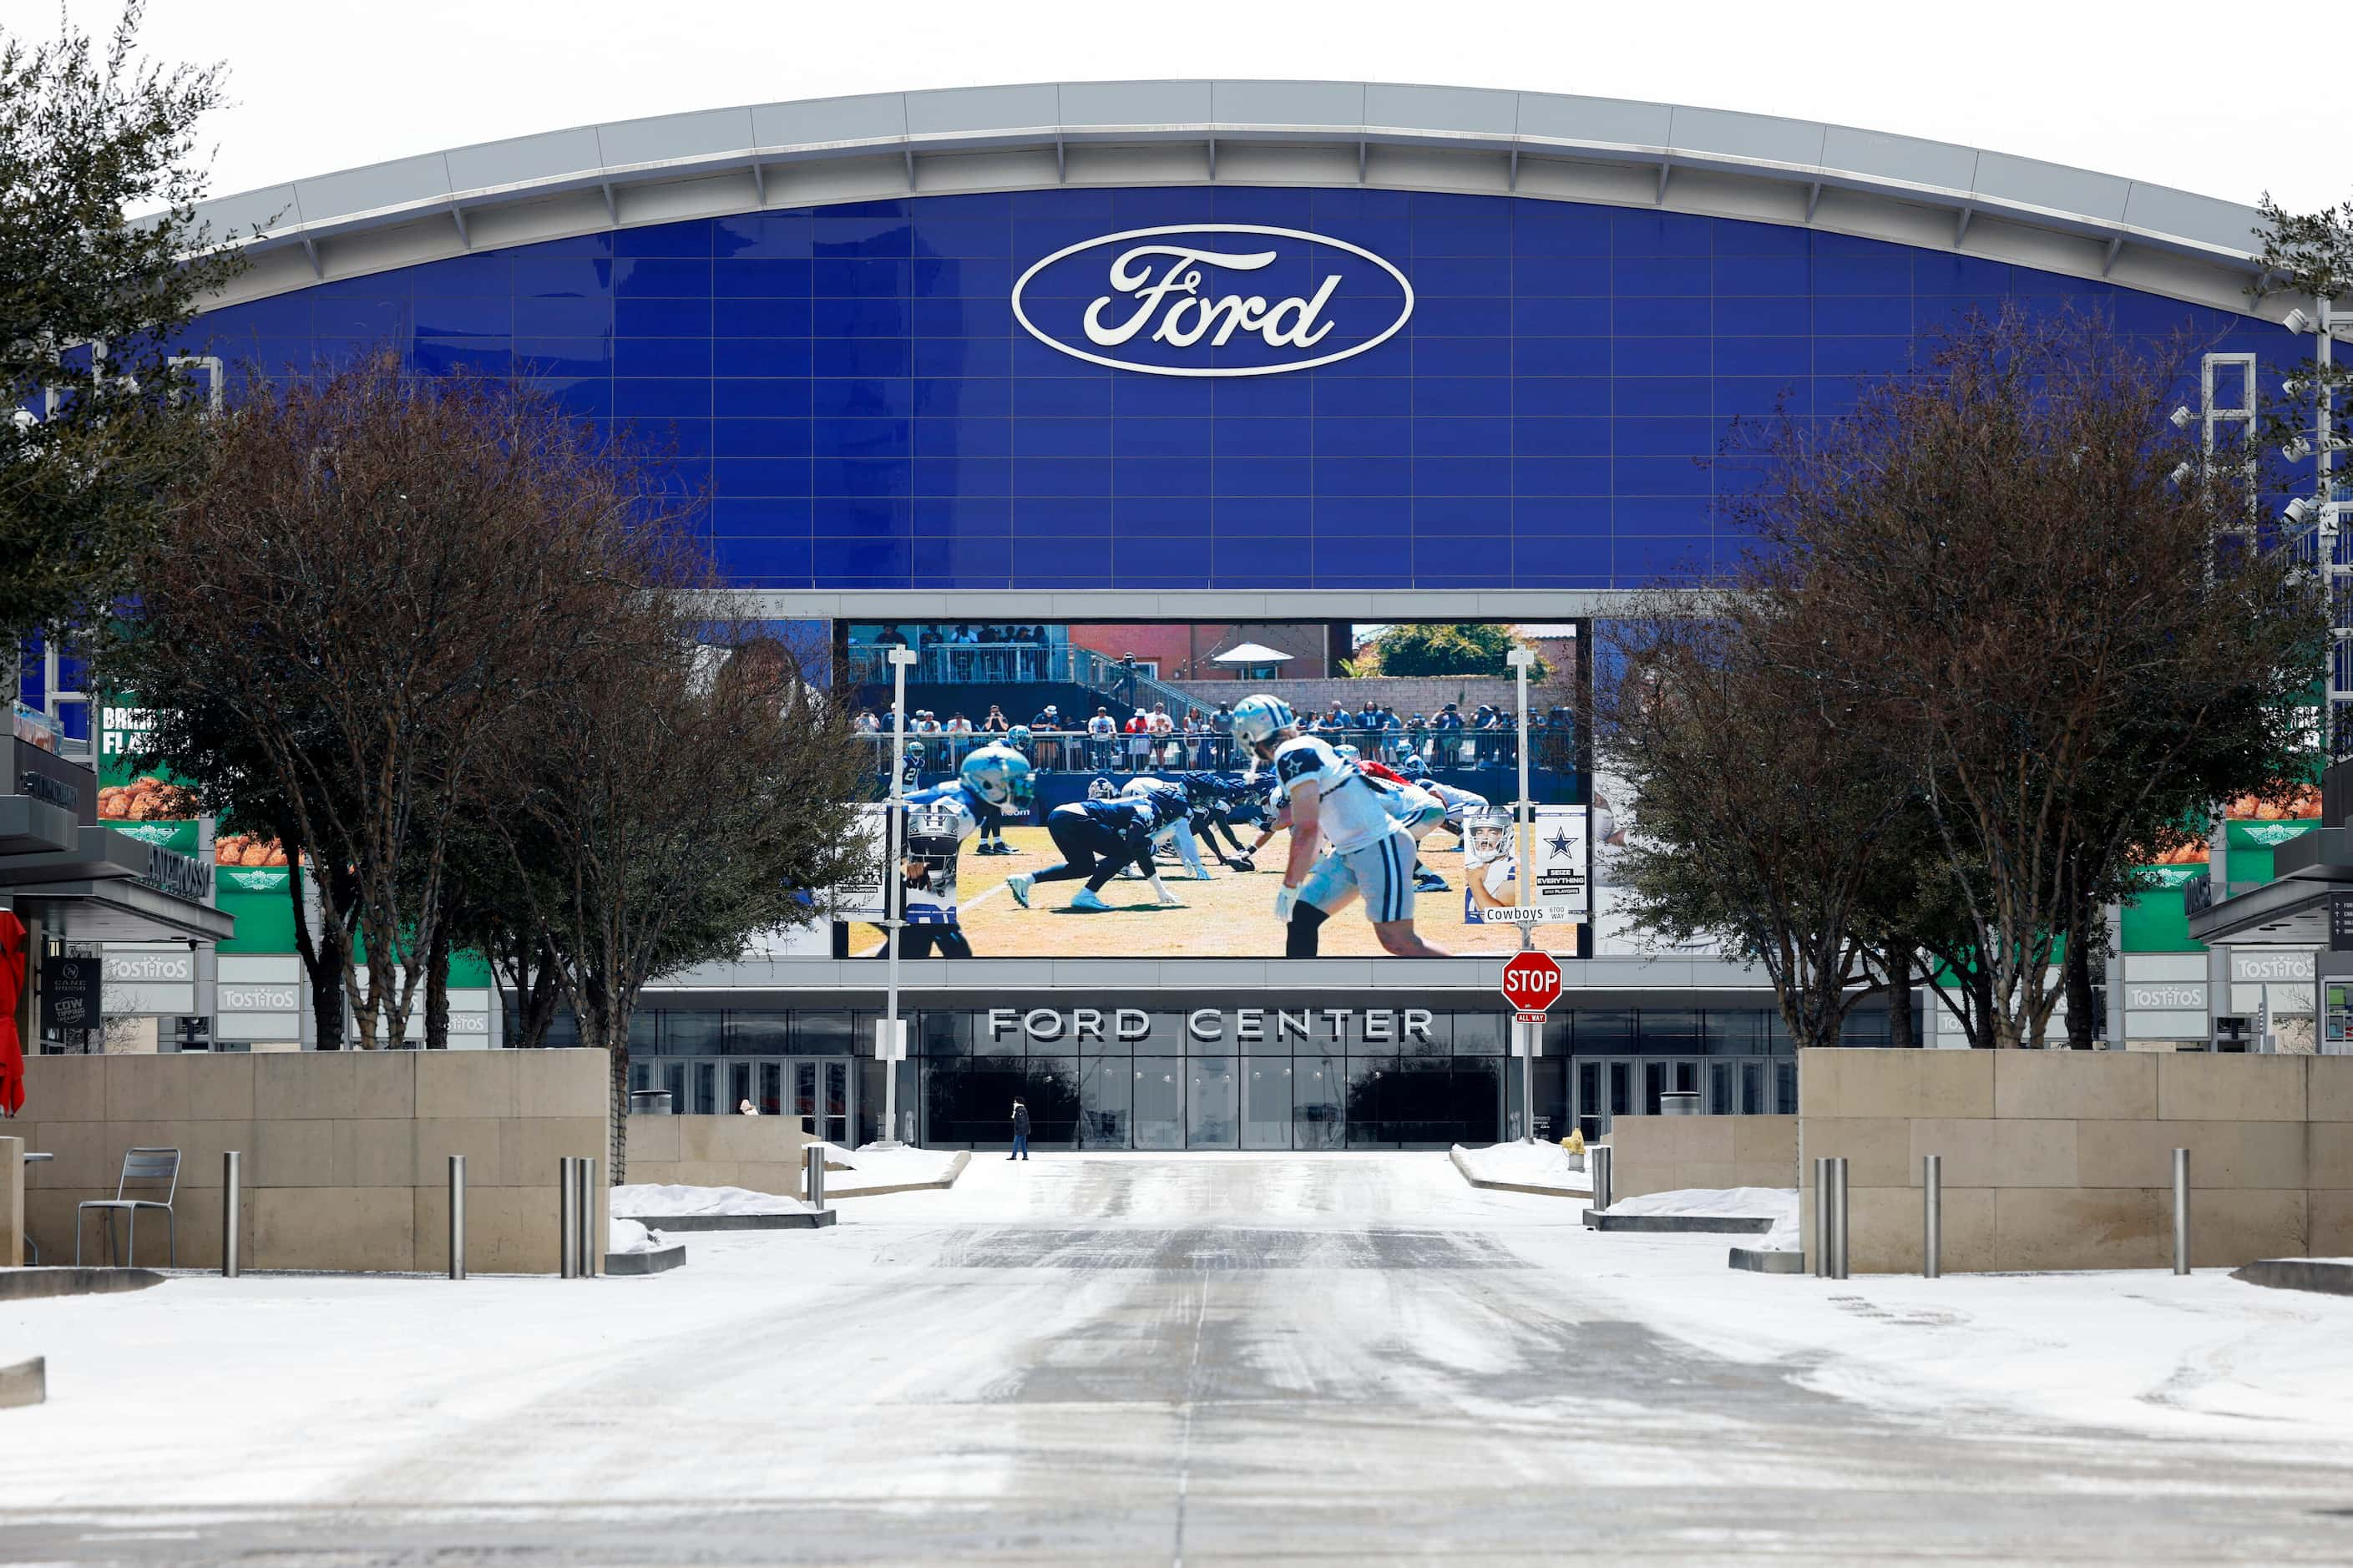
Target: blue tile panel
{"type": "Point", "coordinates": [850, 388]}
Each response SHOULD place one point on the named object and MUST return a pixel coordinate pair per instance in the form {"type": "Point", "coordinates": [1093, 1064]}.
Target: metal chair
{"type": "Point", "coordinates": [142, 1164]}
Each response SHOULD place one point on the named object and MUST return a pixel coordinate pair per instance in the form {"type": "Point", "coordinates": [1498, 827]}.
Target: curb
{"type": "Point", "coordinates": [25, 1383]}
{"type": "Point", "coordinates": [805, 1220]}
{"type": "Point", "coordinates": [1760, 1260]}
{"type": "Point", "coordinates": [1464, 1171]}
{"type": "Point", "coordinates": [2327, 1278]}
{"type": "Point", "coordinates": [654, 1260]}
{"type": "Point", "coordinates": [1677, 1223]}
{"type": "Point", "coordinates": [956, 1169]}
{"type": "Point", "coordinates": [34, 1284]}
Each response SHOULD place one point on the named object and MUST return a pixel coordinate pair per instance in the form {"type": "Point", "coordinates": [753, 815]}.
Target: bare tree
{"type": "Point", "coordinates": [1763, 817]}
{"type": "Point", "coordinates": [2069, 649]}
{"type": "Point", "coordinates": [689, 789]}
{"type": "Point", "coordinates": [382, 578]}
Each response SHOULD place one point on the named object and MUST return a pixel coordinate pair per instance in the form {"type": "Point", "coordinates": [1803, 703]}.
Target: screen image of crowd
{"type": "Point", "coordinates": [1148, 811]}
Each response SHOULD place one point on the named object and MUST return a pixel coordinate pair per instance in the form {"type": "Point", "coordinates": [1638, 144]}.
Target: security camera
{"type": "Point", "coordinates": [2297, 322]}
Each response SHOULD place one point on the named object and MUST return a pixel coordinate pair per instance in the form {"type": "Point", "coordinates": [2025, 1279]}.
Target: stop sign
{"type": "Point", "coordinates": [1532, 982]}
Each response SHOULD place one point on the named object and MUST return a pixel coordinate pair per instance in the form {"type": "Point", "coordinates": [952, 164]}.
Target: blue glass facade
{"type": "Point", "coordinates": [850, 386]}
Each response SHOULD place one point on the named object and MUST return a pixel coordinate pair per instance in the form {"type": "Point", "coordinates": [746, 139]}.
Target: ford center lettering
{"type": "Point", "coordinates": [1202, 300]}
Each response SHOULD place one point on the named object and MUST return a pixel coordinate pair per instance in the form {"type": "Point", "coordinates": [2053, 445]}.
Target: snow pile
{"type": "Point", "coordinates": [1525, 1165]}
{"type": "Point", "coordinates": [659, 1200]}
{"type": "Point", "coordinates": [884, 1167]}
{"type": "Point", "coordinates": [628, 1236]}
{"type": "Point", "coordinates": [1779, 1204]}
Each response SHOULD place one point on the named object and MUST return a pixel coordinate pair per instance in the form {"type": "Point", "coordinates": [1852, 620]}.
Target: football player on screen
{"type": "Point", "coordinates": [1416, 807]}
{"type": "Point", "coordinates": [1461, 804]}
{"type": "Point", "coordinates": [992, 826]}
{"type": "Point", "coordinates": [1344, 842]}
{"type": "Point", "coordinates": [1099, 839]}
{"type": "Point", "coordinates": [993, 780]}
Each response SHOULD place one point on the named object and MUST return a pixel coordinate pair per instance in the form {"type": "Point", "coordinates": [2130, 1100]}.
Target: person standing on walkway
{"type": "Point", "coordinates": [1020, 1130]}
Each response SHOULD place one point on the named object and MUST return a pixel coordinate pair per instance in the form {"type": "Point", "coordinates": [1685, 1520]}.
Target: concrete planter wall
{"type": "Point", "coordinates": [2064, 1159]}
{"type": "Point", "coordinates": [345, 1154]}
{"type": "Point", "coordinates": [759, 1154]}
{"type": "Point", "coordinates": [1669, 1153]}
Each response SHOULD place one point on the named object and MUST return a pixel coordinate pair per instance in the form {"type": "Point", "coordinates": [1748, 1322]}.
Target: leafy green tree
{"type": "Point", "coordinates": [1442, 647]}
{"type": "Point", "coordinates": [91, 302]}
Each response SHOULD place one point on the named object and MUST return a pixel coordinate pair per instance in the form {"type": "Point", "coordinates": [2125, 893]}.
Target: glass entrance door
{"type": "Point", "coordinates": [823, 1094]}
{"type": "Point", "coordinates": [1212, 1104]}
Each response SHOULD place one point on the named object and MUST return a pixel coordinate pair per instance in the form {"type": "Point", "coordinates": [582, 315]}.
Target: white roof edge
{"type": "Point", "coordinates": [617, 153]}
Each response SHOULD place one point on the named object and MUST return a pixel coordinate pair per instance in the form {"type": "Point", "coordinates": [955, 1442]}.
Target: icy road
{"type": "Point", "coordinates": [1185, 1358]}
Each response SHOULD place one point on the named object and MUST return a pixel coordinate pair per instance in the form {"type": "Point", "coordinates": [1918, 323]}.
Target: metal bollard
{"type": "Point", "coordinates": [1838, 1217]}
{"type": "Point", "coordinates": [813, 1176]}
{"type": "Point", "coordinates": [567, 1219]}
{"type": "Point", "coordinates": [231, 1186]}
{"type": "Point", "coordinates": [1822, 1218]}
{"type": "Point", "coordinates": [1932, 1215]}
{"type": "Point", "coordinates": [1597, 1166]}
{"type": "Point", "coordinates": [2181, 1211]}
{"type": "Point", "coordinates": [457, 1216]}
{"type": "Point", "coordinates": [591, 1251]}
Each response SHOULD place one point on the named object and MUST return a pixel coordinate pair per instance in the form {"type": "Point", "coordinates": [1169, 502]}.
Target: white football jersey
{"type": "Point", "coordinates": [1349, 811]}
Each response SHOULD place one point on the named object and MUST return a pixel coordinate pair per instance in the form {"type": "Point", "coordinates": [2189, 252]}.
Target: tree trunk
{"type": "Point", "coordinates": [617, 1143]}
{"type": "Point", "coordinates": [2077, 970]}
{"type": "Point", "coordinates": [437, 991]}
{"type": "Point", "coordinates": [323, 963]}
{"type": "Point", "coordinates": [1899, 995]}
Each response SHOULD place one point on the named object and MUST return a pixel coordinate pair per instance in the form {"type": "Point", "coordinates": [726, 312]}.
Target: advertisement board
{"type": "Point", "coordinates": [1134, 759]}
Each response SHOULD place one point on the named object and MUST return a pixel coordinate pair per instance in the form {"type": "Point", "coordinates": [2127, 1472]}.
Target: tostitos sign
{"type": "Point", "coordinates": [1212, 300]}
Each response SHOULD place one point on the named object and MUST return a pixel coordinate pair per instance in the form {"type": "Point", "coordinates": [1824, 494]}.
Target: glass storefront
{"type": "Point", "coordinates": [1218, 1077]}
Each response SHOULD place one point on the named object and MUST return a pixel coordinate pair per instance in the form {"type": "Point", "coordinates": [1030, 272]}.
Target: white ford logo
{"type": "Point", "coordinates": [1178, 302]}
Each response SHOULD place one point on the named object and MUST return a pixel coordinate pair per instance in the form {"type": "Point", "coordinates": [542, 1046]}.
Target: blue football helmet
{"type": "Point", "coordinates": [1256, 719]}
{"type": "Point", "coordinates": [999, 775]}
{"type": "Point", "coordinates": [1018, 737]}
{"type": "Point", "coordinates": [1412, 766]}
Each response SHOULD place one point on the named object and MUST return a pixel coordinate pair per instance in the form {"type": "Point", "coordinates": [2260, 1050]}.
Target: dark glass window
{"type": "Point", "coordinates": [759, 1033]}
{"type": "Point", "coordinates": [825, 1034]}
{"type": "Point", "coordinates": [689, 1032]}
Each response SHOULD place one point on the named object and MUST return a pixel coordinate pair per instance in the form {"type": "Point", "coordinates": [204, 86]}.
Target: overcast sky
{"type": "Point", "coordinates": [2194, 97]}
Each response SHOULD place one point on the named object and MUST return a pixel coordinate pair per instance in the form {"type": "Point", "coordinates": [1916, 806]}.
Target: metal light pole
{"type": "Point", "coordinates": [1520, 659]}
{"type": "Point", "coordinates": [886, 1045]}
{"type": "Point", "coordinates": [2322, 323]}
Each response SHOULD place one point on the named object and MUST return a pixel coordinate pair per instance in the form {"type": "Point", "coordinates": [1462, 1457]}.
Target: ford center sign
{"type": "Point", "coordinates": [1212, 300]}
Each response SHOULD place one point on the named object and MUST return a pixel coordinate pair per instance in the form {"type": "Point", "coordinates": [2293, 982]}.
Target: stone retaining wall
{"type": "Point", "coordinates": [344, 1154]}
{"type": "Point", "coordinates": [1670, 1153]}
{"type": "Point", "coordinates": [2065, 1159]}
{"type": "Point", "coordinates": [759, 1154]}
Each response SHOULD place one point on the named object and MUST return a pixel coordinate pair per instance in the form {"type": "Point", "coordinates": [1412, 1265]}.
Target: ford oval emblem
{"type": "Point", "coordinates": [1212, 299]}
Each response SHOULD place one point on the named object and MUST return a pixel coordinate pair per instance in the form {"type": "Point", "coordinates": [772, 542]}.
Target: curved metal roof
{"type": "Point", "coordinates": [1041, 135]}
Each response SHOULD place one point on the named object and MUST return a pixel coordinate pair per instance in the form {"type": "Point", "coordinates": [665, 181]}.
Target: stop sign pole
{"type": "Point", "coordinates": [1531, 984]}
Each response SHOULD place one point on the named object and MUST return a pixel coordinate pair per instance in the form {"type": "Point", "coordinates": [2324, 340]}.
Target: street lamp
{"type": "Point", "coordinates": [1521, 659]}
{"type": "Point", "coordinates": [2327, 513]}
{"type": "Point", "coordinates": [890, 1035]}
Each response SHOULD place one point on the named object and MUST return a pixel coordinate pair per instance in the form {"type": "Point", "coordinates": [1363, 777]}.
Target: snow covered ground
{"type": "Point", "coordinates": [1189, 1358]}
{"type": "Point", "coordinates": [1524, 1165]}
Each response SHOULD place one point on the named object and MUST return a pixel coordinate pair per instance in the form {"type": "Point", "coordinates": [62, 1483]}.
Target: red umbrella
{"type": "Point", "coordinates": [12, 987]}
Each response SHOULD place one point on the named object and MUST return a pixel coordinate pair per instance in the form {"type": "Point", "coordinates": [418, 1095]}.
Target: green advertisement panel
{"type": "Point", "coordinates": [2156, 921]}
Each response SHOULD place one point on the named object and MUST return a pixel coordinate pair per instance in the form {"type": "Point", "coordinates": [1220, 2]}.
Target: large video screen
{"type": "Point", "coordinates": [1168, 772]}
